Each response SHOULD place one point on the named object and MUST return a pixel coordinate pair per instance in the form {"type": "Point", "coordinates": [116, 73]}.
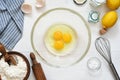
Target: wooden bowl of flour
{"type": "Point", "coordinates": [22, 64]}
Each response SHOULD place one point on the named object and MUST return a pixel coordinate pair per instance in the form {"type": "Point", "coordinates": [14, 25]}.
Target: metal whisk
{"type": "Point", "coordinates": [103, 47]}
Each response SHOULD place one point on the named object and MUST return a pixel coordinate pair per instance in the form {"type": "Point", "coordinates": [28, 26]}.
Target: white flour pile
{"type": "Point", "coordinates": [13, 72]}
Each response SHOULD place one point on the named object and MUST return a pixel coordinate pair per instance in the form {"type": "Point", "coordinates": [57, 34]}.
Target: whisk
{"type": "Point", "coordinates": [103, 47]}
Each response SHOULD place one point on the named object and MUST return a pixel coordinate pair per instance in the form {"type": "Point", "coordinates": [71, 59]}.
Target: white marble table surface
{"type": "Point", "coordinates": [80, 70]}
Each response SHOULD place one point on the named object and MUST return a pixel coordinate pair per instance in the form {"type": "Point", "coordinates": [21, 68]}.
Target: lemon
{"type": "Point", "coordinates": [113, 4]}
{"type": "Point", "coordinates": [58, 45]}
{"type": "Point", "coordinates": [109, 19]}
{"type": "Point", "coordinates": [58, 35]}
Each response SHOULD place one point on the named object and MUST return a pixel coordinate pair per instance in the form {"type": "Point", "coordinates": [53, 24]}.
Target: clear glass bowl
{"type": "Point", "coordinates": [64, 16]}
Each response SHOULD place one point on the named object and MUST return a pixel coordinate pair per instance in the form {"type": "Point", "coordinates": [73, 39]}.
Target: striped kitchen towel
{"type": "Point", "coordinates": [11, 22]}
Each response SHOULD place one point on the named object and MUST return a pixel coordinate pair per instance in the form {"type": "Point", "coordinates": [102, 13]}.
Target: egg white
{"type": "Point", "coordinates": [68, 47]}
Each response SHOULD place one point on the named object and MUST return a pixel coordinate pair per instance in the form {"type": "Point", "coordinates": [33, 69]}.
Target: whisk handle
{"type": "Point", "coordinates": [114, 71]}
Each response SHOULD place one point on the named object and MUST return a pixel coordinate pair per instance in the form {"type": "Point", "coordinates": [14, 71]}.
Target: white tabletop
{"type": "Point", "coordinates": [80, 70]}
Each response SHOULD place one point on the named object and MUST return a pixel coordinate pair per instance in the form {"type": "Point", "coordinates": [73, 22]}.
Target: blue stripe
{"type": "Point", "coordinates": [4, 20]}
{"type": "Point", "coordinates": [11, 22]}
{"type": "Point", "coordinates": [2, 5]}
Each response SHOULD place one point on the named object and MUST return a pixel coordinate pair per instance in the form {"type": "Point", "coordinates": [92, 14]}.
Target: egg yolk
{"type": "Point", "coordinates": [58, 35]}
{"type": "Point", "coordinates": [58, 45]}
{"type": "Point", "coordinates": [67, 38]}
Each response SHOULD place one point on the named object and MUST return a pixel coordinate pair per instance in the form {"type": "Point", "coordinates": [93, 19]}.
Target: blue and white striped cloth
{"type": "Point", "coordinates": [11, 22]}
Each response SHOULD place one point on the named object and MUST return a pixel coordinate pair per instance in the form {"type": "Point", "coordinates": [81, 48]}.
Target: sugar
{"type": "Point", "coordinates": [94, 63]}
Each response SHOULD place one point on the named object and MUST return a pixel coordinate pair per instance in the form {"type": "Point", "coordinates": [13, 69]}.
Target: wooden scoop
{"type": "Point", "coordinates": [37, 69]}
{"type": "Point", "coordinates": [8, 58]}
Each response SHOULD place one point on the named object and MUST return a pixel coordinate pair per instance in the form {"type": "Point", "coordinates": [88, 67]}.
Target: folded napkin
{"type": "Point", "coordinates": [11, 22]}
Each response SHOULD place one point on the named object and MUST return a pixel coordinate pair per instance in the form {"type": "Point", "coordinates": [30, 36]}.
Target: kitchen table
{"type": "Point", "coordinates": [78, 71]}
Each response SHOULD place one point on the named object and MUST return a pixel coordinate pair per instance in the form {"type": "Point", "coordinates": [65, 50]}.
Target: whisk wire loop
{"type": "Point", "coordinates": [103, 47]}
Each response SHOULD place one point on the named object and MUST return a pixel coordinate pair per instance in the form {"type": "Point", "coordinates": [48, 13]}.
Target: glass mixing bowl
{"type": "Point", "coordinates": [67, 17]}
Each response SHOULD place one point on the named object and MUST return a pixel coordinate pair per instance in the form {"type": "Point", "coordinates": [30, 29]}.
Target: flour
{"type": "Point", "coordinates": [13, 72]}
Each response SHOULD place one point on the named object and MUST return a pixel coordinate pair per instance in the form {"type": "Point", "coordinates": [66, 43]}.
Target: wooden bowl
{"type": "Point", "coordinates": [24, 58]}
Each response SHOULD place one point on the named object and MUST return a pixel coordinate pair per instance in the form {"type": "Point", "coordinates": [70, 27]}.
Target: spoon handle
{"type": "Point", "coordinates": [2, 49]}
{"type": "Point", "coordinates": [6, 55]}
{"type": "Point", "coordinates": [114, 71]}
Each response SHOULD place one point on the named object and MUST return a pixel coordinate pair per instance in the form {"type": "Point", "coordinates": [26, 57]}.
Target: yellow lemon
{"type": "Point", "coordinates": [109, 19]}
{"type": "Point", "coordinates": [58, 35]}
{"type": "Point", "coordinates": [113, 4]}
{"type": "Point", "coordinates": [67, 38]}
{"type": "Point", "coordinates": [58, 45]}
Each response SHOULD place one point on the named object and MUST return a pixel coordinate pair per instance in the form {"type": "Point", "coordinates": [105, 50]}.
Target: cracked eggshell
{"type": "Point", "coordinates": [26, 8]}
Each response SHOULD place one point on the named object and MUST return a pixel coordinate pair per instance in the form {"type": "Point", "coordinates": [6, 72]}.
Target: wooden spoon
{"type": "Point", "coordinates": [8, 58]}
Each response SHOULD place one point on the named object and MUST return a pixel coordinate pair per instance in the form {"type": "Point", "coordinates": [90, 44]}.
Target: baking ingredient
{"type": "Point", "coordinates": [113, 4]}
{"type": "Point", "coordinates": [58, 35]}
{"type": "Point", "coordinates": [109, 19]}
{"type": "Point", "coordinates": [13, 72]}
{"type": "Point", "coordinates": [67, 38]}
{"type": "Point", "coordinates": [26, 8]}
{"type": "Point", "coordinates": [58, 45]}
{"type": "Point", "coordinates": [40, 3]}
{"type": "Point", "coordinates": [60, 38]}
{"type": "Point", "coordinates": [94, 64]}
